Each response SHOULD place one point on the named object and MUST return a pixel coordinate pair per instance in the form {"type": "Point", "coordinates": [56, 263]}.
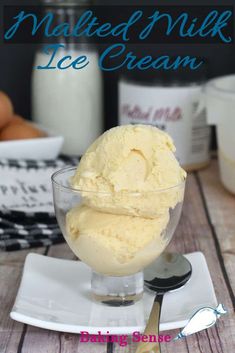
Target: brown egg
{"type": "Point", "coordinates": [6, 110]}
{"type": "Point", "coordinates": [20, 130]}
{"type": "Point", "coordinates": [17, 119]}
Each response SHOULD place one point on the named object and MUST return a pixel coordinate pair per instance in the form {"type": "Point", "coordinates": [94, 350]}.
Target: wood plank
{"type": "Point", "coordinates": [221, 208]}
{"type": "Point", "coordinates": [193, 234]}
{"type": "Point", "coordinates": [165, 347]}
{"type": "Point", "coordinates": [45, 341]}
{"type": "Point", "coordinates": [11, 265]}
{"type": "Point", "coordinates": [61, 251]}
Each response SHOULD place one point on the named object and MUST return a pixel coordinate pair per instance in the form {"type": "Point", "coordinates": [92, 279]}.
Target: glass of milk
{"type": "Point", "coordinates": [68, 101]}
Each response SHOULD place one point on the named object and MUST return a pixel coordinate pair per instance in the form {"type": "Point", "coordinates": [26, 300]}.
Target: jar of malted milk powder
{"type": "Point", "coordinates": [171, 102]}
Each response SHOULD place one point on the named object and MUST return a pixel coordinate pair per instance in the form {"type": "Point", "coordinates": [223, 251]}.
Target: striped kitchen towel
{"type": "Point", "coordinates": [27, 216]}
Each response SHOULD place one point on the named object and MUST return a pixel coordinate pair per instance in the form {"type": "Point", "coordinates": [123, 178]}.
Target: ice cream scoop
{"type": "Point", "coordinates": [131, 158]}
{"type": "Point", "coordinates": [115, 245]}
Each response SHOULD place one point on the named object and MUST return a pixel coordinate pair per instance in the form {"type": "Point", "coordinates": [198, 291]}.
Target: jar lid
{"type": "Point", "coordinates": [180, 76]}
{"type": "Point", "coordinates": [66, 2]}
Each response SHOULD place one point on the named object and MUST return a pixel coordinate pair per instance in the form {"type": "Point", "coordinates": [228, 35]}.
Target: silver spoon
{"type": "Point", "coordinates": [168, 273]}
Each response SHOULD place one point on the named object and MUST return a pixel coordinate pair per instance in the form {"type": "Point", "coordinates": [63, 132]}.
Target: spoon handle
{"type": "Point", "coordinates": [152, 328]}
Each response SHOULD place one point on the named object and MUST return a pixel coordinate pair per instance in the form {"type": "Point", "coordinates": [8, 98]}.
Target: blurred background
{"type": "Point", "coordinates": [16, 61]}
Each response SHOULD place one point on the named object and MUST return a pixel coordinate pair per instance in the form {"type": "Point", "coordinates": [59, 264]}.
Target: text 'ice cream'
{"type": "Point", "coordinates": [129, 180]}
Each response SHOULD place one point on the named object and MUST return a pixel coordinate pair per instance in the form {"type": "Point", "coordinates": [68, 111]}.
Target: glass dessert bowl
{"type": "Point", "coordinates": [116, 234]}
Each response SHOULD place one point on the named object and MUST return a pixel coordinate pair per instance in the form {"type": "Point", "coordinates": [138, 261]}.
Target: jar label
{"type": "Point", "coordinates": [172, 109]}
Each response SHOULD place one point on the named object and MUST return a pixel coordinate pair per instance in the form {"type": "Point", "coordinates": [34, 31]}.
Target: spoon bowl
{"type": "Point", "coordinates": [169, 273]}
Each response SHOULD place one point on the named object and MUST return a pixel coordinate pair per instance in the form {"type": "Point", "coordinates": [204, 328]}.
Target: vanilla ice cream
{"type": "Point", "coordinates": [128, 169]}
{"type": "Point", "coordinates": [131, 184]}
{"type": "Point", "coordinates": [115, 244]}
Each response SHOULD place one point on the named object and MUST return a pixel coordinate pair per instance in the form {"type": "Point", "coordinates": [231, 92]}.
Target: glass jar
{"type": "Point", "coordinates": [69, 101]}
{"type": "Point", "coordinates": [169, 101]}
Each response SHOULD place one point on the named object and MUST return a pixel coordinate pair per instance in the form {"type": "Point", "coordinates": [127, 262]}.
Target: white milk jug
{"type": "Point", "coordinates": [69, 101]}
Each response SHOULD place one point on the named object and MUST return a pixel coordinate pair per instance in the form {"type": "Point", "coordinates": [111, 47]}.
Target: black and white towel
{"type": "Point", "coordinates": [26, 207]}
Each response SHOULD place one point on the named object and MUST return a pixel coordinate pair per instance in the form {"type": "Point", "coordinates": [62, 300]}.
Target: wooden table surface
{"type": "Point", "coordinates": [207, 224]}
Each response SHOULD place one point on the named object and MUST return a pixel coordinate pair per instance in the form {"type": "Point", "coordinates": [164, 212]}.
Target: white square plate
{"type": "Point", "coordinates": [55, 294]}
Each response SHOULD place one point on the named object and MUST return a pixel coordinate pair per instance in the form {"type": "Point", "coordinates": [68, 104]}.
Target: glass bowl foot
{"type": "Point", "coordinates": [117, 291]}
